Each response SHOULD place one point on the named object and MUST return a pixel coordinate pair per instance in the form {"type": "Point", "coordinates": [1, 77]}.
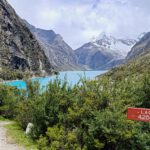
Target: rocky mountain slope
{"type": "Point", "coordinates": [104, 52]}
{"type": "Point", "coordinates": [59, 53]}
{"type": "Point", "coordinates": [19, 49]}
{"type": "Point", "coordinates": [93, 57]}
{"type": "Point", "coordinates": [141, 47]}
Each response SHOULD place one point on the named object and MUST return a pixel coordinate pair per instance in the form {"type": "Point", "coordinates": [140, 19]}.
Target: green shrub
{"type": "Point", "coordinates": [89, 116]}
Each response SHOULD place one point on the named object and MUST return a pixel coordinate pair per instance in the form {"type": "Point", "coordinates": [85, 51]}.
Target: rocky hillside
{"type": "Point", "coordinates": [141, 47]}
{"type": "Point", "coordinates": [104, 52]}
{"type": "Point", "coordinates": [19, 49]}
{"type": "Point", "coordinates": [59, 53]}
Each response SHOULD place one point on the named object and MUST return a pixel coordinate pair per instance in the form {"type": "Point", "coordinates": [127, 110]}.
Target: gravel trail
{"type": "Point", "coordinates": [5, 142]}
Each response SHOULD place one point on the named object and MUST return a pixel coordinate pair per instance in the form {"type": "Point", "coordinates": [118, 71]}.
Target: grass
{"type": "Point", "coordinates": [17, 134]}
{"type": "Point", "coordinates": [3, 119]}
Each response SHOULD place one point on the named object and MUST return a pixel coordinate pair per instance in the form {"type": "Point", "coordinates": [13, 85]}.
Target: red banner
{"type": "Point", "coordinates": [139, 114]}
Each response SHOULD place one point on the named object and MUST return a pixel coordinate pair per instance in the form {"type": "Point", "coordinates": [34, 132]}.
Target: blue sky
{"type": "Point", "coordinates": [80, 20]}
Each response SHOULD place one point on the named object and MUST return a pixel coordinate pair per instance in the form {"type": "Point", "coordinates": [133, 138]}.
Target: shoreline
{"type": "Point", "coordinates": [32, 77]}
{"type": "Point", "coordinates": [36, 77]}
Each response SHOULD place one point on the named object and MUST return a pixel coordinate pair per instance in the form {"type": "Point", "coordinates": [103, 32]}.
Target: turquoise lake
{"type": "Point", "coordinates": [72, 77]}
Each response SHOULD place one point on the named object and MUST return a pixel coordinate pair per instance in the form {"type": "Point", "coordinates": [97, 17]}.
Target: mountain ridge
{"type": "Point", "coordinates": [141, 47]}
{"type": "Point", "coordinates": [110, 52]}
{"type": "Point", "coordinates": [59, 53]}
{"type": "Point", "coordinates": [120, 45]}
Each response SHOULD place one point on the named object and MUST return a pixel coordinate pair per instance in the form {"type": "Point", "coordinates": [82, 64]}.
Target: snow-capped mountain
{"type": "Point", "coordinates": [119, 45]}
{"type": "Point", "coordinates": [104, 51]}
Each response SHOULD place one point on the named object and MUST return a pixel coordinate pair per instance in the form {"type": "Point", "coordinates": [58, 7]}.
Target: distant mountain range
{"type": "Point", "coordinates": [101, 53]}
{"type": "Point", "coordinates": [104, 52]}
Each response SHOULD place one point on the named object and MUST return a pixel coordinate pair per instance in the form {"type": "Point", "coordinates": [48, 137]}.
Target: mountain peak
{"type": "Point", "coordinates": [119, 45]}
{"type": "Point", "coordinates": [104, 35]}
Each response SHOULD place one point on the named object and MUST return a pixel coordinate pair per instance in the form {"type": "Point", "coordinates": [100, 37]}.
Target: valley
{"type": "Point", "coordinates": [73, 98]}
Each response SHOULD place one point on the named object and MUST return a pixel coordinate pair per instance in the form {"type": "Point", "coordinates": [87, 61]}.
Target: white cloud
{"type": "Point", "coordinates": [79, 20]}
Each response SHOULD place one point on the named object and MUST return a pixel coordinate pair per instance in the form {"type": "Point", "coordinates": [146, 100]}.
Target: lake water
{"type": "Point", "coordinates": [72, 77]}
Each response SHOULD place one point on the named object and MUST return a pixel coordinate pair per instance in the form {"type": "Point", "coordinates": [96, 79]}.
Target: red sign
{"type": "Point", "coordinates": [140, 114]}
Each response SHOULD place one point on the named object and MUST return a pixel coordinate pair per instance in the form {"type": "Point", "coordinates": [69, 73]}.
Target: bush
{"type": "Point", "coordinates": [9, 97]}
{"type": "Point", "coordinates": [89, 116]}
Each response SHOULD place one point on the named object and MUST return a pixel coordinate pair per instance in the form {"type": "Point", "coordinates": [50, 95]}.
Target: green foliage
{"type": "Point", "coordinates": [9, 97]}
{"type": "Point", "coordinates": [10, 74]}
{"type": "Point", "coordinates": [144, 93]}
{"type": "Point", "coordinates": [88, 116]}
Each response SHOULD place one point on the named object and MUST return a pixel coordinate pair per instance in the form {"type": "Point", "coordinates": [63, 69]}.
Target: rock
{"type": "Point", "coordinates": [29, 128]}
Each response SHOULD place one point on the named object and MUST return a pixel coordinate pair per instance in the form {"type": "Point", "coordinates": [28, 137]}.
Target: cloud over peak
{"type": "Point", "coordinates": [77, 21]}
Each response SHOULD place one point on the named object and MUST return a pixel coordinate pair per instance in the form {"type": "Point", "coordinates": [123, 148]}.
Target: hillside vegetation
{"type": "Point", "coordinates": [87, 117]}
{"type": "Point", "coordinates": [136, 67]}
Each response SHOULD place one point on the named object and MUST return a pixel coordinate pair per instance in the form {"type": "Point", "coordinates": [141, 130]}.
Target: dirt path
{"type": "Point", "coordinates": [5, 142]}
